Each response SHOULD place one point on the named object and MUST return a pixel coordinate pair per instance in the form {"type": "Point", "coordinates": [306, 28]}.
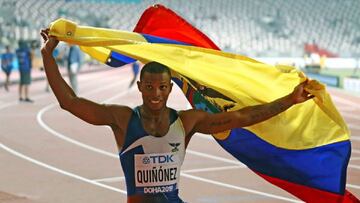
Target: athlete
{"type": "Point", "coordinates": [152, 138]}
{"type": "Point", "coordinates": [7, 59]}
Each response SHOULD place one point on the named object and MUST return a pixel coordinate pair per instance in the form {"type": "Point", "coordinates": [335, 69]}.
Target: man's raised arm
{"type": "Point", "coordinates": [84, 109]}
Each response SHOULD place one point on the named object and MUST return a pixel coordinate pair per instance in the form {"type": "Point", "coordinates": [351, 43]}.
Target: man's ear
{"type": "Point", "coordinates": [139, 85]}
{"type": "Point", "coordinates": [171, 85]}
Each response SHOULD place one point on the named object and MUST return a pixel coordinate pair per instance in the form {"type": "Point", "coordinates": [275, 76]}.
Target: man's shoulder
{"type": "Point", "coordinates": [191, 111]}
{"type": "Point", "coordinates": [120, 109]}
{"type": "Point", "coordinates": [121, 113]}
{"type": "Point", "coordinates": [190, 118]}
{"type": "Point", "coordinates": [191, 114]}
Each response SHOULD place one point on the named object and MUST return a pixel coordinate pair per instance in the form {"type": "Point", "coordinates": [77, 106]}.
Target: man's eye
{"type": "Point", "coordinates": [163, 87]}
{"type": "Point", "coordinates": [149, 87]}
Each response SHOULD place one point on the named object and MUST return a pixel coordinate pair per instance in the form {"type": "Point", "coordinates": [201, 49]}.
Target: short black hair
{"type": "Point", "coordinates": [154, 67]}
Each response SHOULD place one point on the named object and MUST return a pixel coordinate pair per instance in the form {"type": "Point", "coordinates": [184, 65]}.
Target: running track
{"type": "Point", "coordinates": [48, 155]}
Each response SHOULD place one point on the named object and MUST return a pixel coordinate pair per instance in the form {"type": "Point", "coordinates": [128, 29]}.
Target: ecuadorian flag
{"type": "Point", "coordinates": [304, 150]}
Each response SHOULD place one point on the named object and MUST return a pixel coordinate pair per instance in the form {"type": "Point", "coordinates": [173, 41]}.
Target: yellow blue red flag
{"type": "Point", "coordinates": [304, 150]}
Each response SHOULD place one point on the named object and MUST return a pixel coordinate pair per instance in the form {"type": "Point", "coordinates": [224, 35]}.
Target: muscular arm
{"type": "Point", "coordinates": [203, 122]}
{"type": "Point", "coordinates": [84, 109]}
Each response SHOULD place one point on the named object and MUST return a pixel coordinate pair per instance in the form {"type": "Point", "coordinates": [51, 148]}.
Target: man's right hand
{"type": "Point", "coordinates": [50, 42]}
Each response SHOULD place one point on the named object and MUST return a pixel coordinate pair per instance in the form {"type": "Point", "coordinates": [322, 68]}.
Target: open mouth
{"type": "Point", "coordinates": [156, 101]}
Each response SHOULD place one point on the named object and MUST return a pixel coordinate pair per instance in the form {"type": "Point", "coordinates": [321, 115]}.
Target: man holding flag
{"type": "Point", "coordinates": [152, 138]}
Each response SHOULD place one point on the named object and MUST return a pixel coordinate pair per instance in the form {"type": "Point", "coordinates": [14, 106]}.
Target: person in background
{"type": "Point", "coordinates": [73, 66]}
{"type": "Point", "coordinates": [24, 57]}
{"type": "Point", "coordinates": [7, 60]}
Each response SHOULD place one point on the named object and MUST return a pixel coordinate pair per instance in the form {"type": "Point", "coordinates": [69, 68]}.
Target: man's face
{"type": "Point", "coordinates": [155, 89]}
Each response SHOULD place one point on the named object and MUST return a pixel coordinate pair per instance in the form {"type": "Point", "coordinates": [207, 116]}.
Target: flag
{"type": "Point", "coordinates": [304, 150]}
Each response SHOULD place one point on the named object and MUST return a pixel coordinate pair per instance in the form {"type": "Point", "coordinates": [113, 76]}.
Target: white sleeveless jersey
{"type": "Point", "coordinates": [152, 164]}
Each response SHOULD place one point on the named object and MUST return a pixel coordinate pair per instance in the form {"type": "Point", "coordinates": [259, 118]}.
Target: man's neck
{"type": "Point", "coordinates": [152, 114]}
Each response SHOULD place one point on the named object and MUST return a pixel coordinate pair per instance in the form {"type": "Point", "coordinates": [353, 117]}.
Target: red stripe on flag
{"type": "Point", "coordinates": [163, 22]}
{"type": "Point", "coordinates": [311, 195]}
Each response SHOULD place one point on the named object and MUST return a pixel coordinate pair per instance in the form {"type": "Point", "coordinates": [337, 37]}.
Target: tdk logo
{"type": "Point", "coordinates": [146, 160]}
{"type": "Point", "coordinates": [160, 159]}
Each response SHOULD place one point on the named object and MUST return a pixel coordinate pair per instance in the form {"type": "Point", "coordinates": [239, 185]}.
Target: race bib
{"type": "Point", "coordinates": [157, 172]}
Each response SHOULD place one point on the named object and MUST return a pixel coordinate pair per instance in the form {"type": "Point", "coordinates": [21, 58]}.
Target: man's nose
{"type": "Point", "coordinates": [157, 92]}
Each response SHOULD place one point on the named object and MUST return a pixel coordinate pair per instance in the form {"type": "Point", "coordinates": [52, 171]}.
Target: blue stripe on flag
{"type": "Point", "coordinates": [117, 60]}
{"type": "Point", "coordinates": [322, 167]}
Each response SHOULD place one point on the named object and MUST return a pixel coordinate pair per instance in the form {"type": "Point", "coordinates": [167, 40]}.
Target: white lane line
{"type": "Point", "coordinates": [61, 136]}
{"type": "Point", "coordinates": [353, 186]}
{"type": "Point", "coordinates": [238, 188]}
{"type": "Point", "coordinates": [354, 138]}
{"type": "Point", "coordinates": [354, 166]}
{"type": "Point", "coordinates": [81, 80]}
{"type": "Point", "coordinates": [344, 101]}
{"type": "Point", "coordinates": [41, 95]}
{"type": "Point", "coordinates": [56, 169]}
{"type": "Point", "coordinates": [346, 108]}
{"type": "Point", "coordinates": [222, 168]}
{"type": "Point", "coordinates": [13, 103]}
{"type": "Point", "coordinates": [110, 180]}
{"type": "Point", "coordinates": [238, 163]}
{"type": "Point", "coordinates": [52, 167]}
{"type": "Point", "coordinates": [355, 151]}
{"type": "Point", "coordinates": [350, 115]}
{"type": "Point", "coordinates": [66, 173]}
{"type": "Point", "coordinates": [353, 126]}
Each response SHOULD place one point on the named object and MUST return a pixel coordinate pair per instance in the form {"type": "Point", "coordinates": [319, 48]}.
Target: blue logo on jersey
{"type": "Point", "coordinates": [146, 160]}
{"type": "Point", "coordinates": [161, 159]}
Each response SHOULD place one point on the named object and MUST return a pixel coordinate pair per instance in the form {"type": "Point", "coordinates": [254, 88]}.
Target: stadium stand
{"type": "Point", "coordinates": [251, 27]}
